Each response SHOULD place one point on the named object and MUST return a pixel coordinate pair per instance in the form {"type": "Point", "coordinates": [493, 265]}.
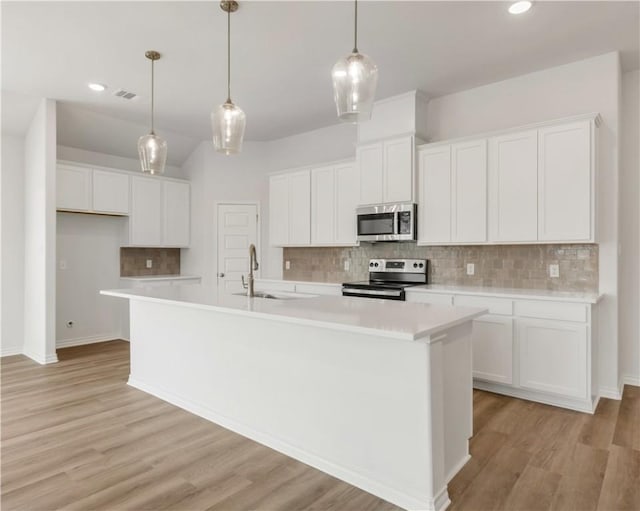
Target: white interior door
{"type": "Point", "coordinates": [237, 229]}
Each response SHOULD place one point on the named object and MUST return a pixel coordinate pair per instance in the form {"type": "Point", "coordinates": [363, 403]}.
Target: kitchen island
{"type": "Point", "coordinates": [376, 393]}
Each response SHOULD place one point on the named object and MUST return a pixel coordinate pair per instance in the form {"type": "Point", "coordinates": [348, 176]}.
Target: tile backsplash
{"type": "Point", "coordinates": [133, 261]}
{"type": "Point", "coordinates": [510, 266]}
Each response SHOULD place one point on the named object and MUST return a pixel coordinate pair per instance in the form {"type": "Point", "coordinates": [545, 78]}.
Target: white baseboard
{"type": "Point", "coordinates": [439, 502]}
{"type": "Point", "coordinates": [629, 379]}
{"type": "Point", "coordinates": [41, 359]}
{"type": "Point", "coordinates": [80, 341]}
{"type": "Point", "coordinates": [611, 392]}
{"type": "Point", "coordinates": [9, 352]}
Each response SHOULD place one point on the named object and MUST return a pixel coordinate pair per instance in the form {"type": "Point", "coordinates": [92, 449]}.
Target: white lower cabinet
{"type": "Point", "coordinates": [492, 341]}
{"type": "Point", "coordinates": [553, 356]}
{"type": "Point", "coordinates": [533, 349]}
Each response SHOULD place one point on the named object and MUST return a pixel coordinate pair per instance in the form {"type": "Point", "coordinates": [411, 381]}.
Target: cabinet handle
{"type": "Point", "coordinates": [221, 274]}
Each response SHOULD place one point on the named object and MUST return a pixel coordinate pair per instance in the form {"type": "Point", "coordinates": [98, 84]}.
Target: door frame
{"type": "Point", "coordinates": [216, 207]}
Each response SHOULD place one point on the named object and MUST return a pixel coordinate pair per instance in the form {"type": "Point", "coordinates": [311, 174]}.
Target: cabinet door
{"type": "Point", "coordinates": [279, 210]}
{"type": "Point", "coordinates": [347, 197]}
{"type": "Point", "coordinates": [469, 182]}
{"type": "Point", "coordinates": [300, 208]}
{"type": "Point", "coordinates": [110, 192]}
{"type": "Point", "coordinates": [553, 356]}
{"type": "Point", "coordinates": [323, 205]}
{"type": "Point", "coordinates": [145, 220]}
{"type": "Point", "coordinates": [565, 183]}
{"type": "Point", "coordinates": [370, 164]}
{"type": "Point", "coordinates": [176, 213]}
{"type": "Point", "coordinates": [398, 176]}
{"type": "Point", "coordinates": [434, 195]}
{"type": "Point", "coordinates": [492, 341]}
{"type": "Point", "coordinates": [73, 188]}
{"type": "Point", "coordinates": [513, 187]}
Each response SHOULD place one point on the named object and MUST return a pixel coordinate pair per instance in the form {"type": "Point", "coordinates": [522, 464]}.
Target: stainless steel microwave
{"type": "Point", "coordinates": [387, 222]}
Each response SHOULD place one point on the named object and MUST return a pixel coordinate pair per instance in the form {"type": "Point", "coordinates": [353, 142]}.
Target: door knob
{"type": "Point", "coordinates": [221, 274]}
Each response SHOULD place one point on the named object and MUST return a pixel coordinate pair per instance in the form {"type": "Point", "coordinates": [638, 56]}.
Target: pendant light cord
{"type": "Point", "coordinates": [152, 69]}
{"type": "Point", "coordinates": [229, 55]}
{"type": "Point", "coordinates": [355, 29]}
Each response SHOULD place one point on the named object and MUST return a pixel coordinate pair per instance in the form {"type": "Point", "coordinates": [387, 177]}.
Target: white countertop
{"type": "Point", "coordinates": [161, 277]}
{"type": "Point", "coordinates": [385, 318]}
{"type": "Point", "coordinates": [514, 293]}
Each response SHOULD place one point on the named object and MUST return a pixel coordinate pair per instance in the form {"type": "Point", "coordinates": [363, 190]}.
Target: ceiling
{"type": "Point", "coordinates": [283, 53]}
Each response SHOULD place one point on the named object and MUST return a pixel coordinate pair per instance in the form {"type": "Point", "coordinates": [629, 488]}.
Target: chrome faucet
{"type": "Point", "coordinates": [253, 265]}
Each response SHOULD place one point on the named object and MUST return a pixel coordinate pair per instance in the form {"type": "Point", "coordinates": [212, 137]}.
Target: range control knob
{"type": "Point", "coordinates": [370, 264]}
{"type": "Point", "coordinates": [421, 265]}
{"type": "Point", "coordinates": [415, 265]}
{"type": "Point", "coordinates": [376, 265]}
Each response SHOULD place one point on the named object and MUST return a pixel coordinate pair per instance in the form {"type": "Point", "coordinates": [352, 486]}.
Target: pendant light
{"type": "Point", "coordinates": [152, 148]}
{"type": "Point", "coordinates": [354, 83]}
{"type": "Point", "coordinates": [228, 120]}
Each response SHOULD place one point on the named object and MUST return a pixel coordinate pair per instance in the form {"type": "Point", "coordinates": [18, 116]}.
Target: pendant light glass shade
{"type": "Point", "coordinates": [152, 149]}
{"type": "Point", "coordinates": [153, 153]}
{"type": "Point", "coordinates": [228, 122]}
{"type": "Point", "coordinates": [355, 78]}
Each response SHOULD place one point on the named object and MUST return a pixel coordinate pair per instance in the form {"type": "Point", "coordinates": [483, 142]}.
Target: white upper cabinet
{"type": "Point", "coordinates": [434, 195]}
{"type": "Point", "coordinates": [73, 188]}
{"type": "Point", "coordinates": [300, 208]}
{"type": "Point", "coordinates": [386, 171]}
{"type": "Point", "coordinates": [398, 176]}
{"type": "Point", "coordinates": [513, 187]}
{"type": "Point", "coordinates": [323, 205]}
{"type": "Point", "coordinates": [176, 213]}
{"type": "Point", "coordinates": [110, 192]}
{"type": "Point", "coordinates": [314, 207]}
{"type": "Point", "coordinates": [145, 222]}
{"type": "Point", "coordinates": [279, 210]}
{"type": "Point", "coordinates": [529, 186]}
{"type": "Point", "coordinates": [347, 182]}
{"type": "Point", "coordinates": [370, 164]}
{"type": "Point", "coordinates": [290, 208]}
{"type": "Point", "coordinates": [565, 183]}
{"type": "Point", "coordinates": [469, 191]}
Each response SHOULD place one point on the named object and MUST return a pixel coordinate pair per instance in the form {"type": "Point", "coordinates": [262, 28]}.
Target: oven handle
{"type": "Point", "coordinates": [351, 291]}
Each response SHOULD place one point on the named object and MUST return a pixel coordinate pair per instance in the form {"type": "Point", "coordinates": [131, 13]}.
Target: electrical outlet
{"type": "Point", "coordinates": [149, 263]}
{"type": "Point", "coordinates": [62, 264]}
{"type": "Point", "coordinates": [471, 269]}
{"type": "Point", "coordinates": [554, 271]}
{"type": "Point", "coordinates": [287, 265]}
{"type": "Point", "coordinates": [347, 265]}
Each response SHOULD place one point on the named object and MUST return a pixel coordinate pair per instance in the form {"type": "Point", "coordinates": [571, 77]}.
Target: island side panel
{"type": "Point", "coordinates": [355, 406]}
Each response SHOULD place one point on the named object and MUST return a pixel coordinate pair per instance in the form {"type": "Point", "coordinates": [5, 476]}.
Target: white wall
{"type": "Point", "coordinates": [39, 235]}
{"type": "Point", "coordinates": [109, 160]}
{"type": "Point", "coordinates": [630, 229]}
{"type": "Point", "coordinates": [12, 219]}
{"type": "Point", "coordinates": [590, 85]}
{"type": "Point", "coordinates": [89, 245]}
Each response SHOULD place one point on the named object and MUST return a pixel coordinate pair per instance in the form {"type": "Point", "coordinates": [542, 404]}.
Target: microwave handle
{"type": "Point", "coordinates": [396, 222]}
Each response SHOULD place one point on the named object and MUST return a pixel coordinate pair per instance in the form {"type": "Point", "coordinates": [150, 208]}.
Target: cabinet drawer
{"type": "Point", "coordinates": [418, 297]}
{"type": "Point", "coordinates": [501, 306]}
{"type": "Point", "coordinates": [552, 310]}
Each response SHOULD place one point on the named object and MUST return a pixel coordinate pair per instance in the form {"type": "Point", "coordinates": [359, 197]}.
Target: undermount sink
{"type": "Point", "coordinates": [277, 295]}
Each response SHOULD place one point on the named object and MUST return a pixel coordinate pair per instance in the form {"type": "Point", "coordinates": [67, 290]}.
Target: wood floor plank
{"type": "Point", "coordinates": [75, 436]}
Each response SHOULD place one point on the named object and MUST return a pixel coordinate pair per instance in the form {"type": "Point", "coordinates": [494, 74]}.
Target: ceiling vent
{"type": "Point", "coordinates": [125, 94]}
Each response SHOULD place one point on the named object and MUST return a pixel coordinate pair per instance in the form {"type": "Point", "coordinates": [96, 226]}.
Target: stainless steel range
{"type": "Point", "coordinates": [388, 278]}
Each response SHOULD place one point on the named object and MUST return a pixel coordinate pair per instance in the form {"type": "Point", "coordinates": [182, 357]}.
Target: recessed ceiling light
{"type": "Point", "coordinates": [520, 7]}
{"type": "Point", "coordinates": [98, 87]}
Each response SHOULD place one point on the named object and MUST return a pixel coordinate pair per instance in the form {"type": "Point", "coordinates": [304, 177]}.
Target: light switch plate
{"type": "Point", "coordinates": [471, 269]}
{"type": "Point", "coordinates": [149, 263]}
{"type": "Point", "coordinates": [554, 271]}
{"type": "Point", "coordinates": [287, 265]}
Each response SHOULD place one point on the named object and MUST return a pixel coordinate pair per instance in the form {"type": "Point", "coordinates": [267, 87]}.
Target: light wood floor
{"type": "Point", "coordinates": [75, 436]}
